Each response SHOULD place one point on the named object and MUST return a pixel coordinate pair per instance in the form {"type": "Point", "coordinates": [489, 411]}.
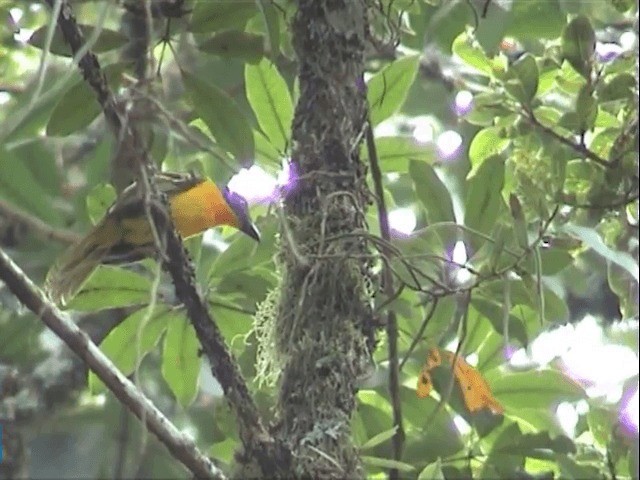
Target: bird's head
{"type": "Point", "coordinates": [241, 211]}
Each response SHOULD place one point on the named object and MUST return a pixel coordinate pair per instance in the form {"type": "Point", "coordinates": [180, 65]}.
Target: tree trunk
{"type": "Point", "coordinates": [324, 328]}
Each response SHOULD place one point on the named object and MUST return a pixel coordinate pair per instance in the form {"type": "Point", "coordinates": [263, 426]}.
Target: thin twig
{"type": "Point", "coordinates": [392, 324]}
{"type": "Point", "coordinates": [418, 336]}
{"type": "Point", "coordinates": [39, 227]}
{"type": "Point", "coordinates": [181, 447]}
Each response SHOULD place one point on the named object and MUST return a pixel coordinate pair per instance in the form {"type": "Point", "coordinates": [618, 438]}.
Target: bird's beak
{"type": "Point", "coordinates": [250, 229]}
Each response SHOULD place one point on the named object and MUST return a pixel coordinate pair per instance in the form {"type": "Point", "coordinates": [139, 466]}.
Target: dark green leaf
{"type": "Point", "coordinates": [224, 118]}
{"type": "Point", "coordinates": [244, 252]}
{"type": "Point", "coordinates": [107, 40]}
{"type": "Point", "coordinates": [533, 20]}
{"type": "Point", "coordinates": [212, 15]}
{"type": "Point", "coordinates": [271, 19]}
{"type": "Point", "coordinates": [525, 74]}
{"type": "Point", "coordinates": [484, 198]}
{"type": "Point", "coordinates": [128, 343]}
{"type": "Point", "coordinates": [620, 87]}
{"type": "Point", "coordinates": [270, 99]}
{"type": "Point", "coordinates": [586, 109]}
{"type": "Point", "coordinates": [432, 192]}
{"type": "Point", "coordinates": [235, 44]}
{"type": "Point", "coordinates": [579, 44]}
{"type": "Point", "coordinates": [388, 89]}
{"type": "Point", "coordinates": [492, 310]}
{"type": "Point", "coordinates": [519, 223]}
{"type": "Point", "coordinates": [18, 186]}
{"type": "Point", "coordinates": [180, 360]}
{"type": "Point", "coordinates": [78, 106]}
{"type": "Point", "coordinates": [111, 287]}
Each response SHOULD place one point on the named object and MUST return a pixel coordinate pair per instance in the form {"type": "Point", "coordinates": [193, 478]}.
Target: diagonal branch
{"type": "Point", "coordinates": [181, 447]}
{"type": "Point", "coordinates": [39, 227]}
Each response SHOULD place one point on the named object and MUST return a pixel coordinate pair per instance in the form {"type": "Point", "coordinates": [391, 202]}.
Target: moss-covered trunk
{"type": "Point", "coordinates": [324, 318]}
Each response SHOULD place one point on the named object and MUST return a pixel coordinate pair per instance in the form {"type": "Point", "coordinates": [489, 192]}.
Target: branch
{"type": "Point", "coordinates": [47, 232]}
{"type": "Point", "coordinates": [577, 147]}
{"type": "Point", "coordinates": [181, 447]}
{"type": "Point", "coordinates": [391, 324]}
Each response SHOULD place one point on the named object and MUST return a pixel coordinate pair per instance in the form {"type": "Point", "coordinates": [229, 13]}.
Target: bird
{"type": "Point", "coordinates": [124, 234]}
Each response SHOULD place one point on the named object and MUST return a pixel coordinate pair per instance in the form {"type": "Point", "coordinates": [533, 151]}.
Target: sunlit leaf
{"type": "Point", "coordinates": [388, 89]}
{"type": "Point", "coordinates": [270, 99]}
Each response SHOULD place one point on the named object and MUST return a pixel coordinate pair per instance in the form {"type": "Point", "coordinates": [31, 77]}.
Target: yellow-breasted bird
{"type": "Point", "coordinates": [124, 235]}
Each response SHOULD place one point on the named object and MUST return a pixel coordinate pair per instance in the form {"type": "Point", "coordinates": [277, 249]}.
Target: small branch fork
{"type": "Point", "coordinates": [257, 441]}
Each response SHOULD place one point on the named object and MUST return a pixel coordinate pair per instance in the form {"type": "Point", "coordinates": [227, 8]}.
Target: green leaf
{"type": "Point", "coordinates": [75, 110]}
{"type": "Point", "coordinates": [535, 20]}
{"type": "Point", "coordinates": [388, 89]}
{"type": "Point", "coordinates": [554, 260]}
{"type": "Point", "coordinates": [524, 79]}
{"type": "Point", "coordinates": [533, 389]}
{"type": "Point", "coordinates": [180, 361]}
{"type": "Point", "coordinates": [270, 99]}
{"type": "Point", "coordinates": [486, 143]}
{"type": "Point", "coordinates": [107, 40]}
{"type": "Point", "coordinates": [471, 53]}
{"type": "Point", "coordinates": [379, 439]}
{"type": "Point", "coordinates": [433, 471]}
{"type": "Point", "coordinates": [212, 15]}
{"type": "Point", "coordinates": [484, 198]}
{"type": "Point", "coordinates": [519, 223]}
{"type": "Point", "coordinates": [492, 310]}
{"type": "Point", "coordinates": [395, 153]}
{"type": "Point", "coordinates": [586, 109]}
{"type": "Point", "coordinates": [620, 87]}
{"type": "Point", "coordinates": [128, 343]}
{"type": "Point", "coordinates": [486, 107]}
{"type": "Point", "coordinates": [19, 186]}
{"type": "Point", "coordinates": [591, 238]}
{"type": "Point", "coordinates": [235, 44]}
{"type": "Point", "coordinates": [270, 17]}
{"type": "Point", "coordinates": [111, 287]}
{"type": "Point", "coordinates": [386, 463]}
{"type": "Point", "coordinates": [78, 106]}
{"type": "Point", "coordinates": [222, 116]}
{"type": "Point", "coordinates": [244, 253]}
{"type": "Point", "coordinates": [432, 192]}
{"type": "Point", "coordinates": [579, 44]}
{"type": "Point", "coordinates": [99, 199]}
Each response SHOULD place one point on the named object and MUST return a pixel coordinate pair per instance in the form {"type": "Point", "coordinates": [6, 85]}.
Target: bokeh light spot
{"type": "Point", "coordinates": [449, 143]}
{"type": "Point", "coordinates": [402, 220]}
{"type": "Point", "coordinates": [463, 102]}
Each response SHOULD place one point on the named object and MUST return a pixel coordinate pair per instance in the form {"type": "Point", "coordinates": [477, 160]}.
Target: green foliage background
{"type": "Point", "coordinates": [543, 192]}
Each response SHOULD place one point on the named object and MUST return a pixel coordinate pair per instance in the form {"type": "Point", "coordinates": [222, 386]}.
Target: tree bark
{"type": "Point", "coordinates": [324, 324]}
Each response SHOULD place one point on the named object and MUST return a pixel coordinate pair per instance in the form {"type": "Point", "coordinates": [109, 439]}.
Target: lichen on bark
{"type": "Point", "coordinates": [324, 325]}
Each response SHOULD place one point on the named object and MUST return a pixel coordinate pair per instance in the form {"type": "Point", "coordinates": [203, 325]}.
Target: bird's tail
{"type": "Point", "coordinates": [74, 266]}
